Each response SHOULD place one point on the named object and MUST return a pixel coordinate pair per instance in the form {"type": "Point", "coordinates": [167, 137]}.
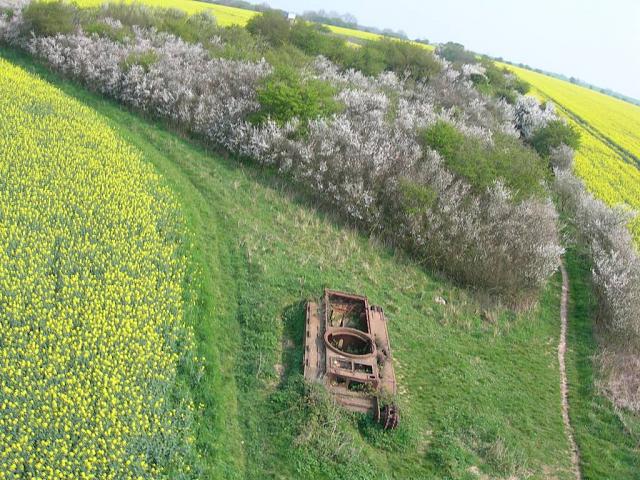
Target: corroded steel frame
{"type": "Point", "coordinates": [357, 380]}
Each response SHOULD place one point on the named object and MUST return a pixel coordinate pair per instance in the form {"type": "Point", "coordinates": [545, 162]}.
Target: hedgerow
{"type": "Point", "coordinates": [361, 159]}
{"type": "Point", "coordinates": [604, 234]}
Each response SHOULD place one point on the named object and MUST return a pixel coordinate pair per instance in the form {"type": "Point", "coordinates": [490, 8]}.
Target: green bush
{"type": "Point", "coordinates": [287, 57]}
{"type": "Point", "coordinates": [456, 53]}
{"type": "Point", "coordinates": [396, 56]}
{"type": "Point", "coordinates": [553, 135]}
{"type": "Point", "coordinates": [127, 13]}
{"type": "Point", "coordinates": [368, 60]}
{"type": "Point", "coordinates": [198, 28]}
{"type": "Point", "coordinates": [416, 198]}
{"type": "Point", "coordinates": [7, 12]}
{"type": "Point", "coordinates": [316, 40]}
{"type": "Point", "coordinates": [372, 58]}
{"type": "Point", "coordinates": [47, 18]}
{"type": "Point", "coordinates": [103, 30]}
{"type": "Point", "coordinates": [285, 95]}
{"type": "Point", "coordinates": [144, 59]}
{"type": "Point", "coordinates": [237, 44]}
{"type": "Point", "coordinates": [272, 26]}
{"type": "Point", "coordinates": [521, 86]}
{"type": "Point", "coordinates": [202, 26]}
{"type": "Point", "coordinates": [443, 138]}
{"type": "Point", "coordinates": [519, 167]}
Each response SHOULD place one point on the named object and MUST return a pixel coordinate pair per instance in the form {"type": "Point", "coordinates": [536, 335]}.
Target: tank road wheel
{"type": "Point", "coordinates": [388, 416]}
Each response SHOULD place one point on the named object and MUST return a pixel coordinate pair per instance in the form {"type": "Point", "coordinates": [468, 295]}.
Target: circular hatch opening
{"type": "Point", "coordinates": [349, 342]}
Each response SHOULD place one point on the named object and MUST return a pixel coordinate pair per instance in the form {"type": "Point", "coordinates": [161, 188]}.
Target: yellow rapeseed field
{"type": "Point", "coordinates": [616, 119]}
{"type": "Point", "coordinates": [608, 175]}
{"type": "Point", "coordinates": [91, 303]}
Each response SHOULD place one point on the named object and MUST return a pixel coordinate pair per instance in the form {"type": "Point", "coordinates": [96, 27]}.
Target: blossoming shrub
{"type": "Point", "coordinates": [530, 116]}
{"type": "Point", "coordinates": [616, 279]}
{"type": "Point", "coordinates": [91, 306]}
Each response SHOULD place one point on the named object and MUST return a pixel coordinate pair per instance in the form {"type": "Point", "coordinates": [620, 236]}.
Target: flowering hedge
{"type": "Point", "coordinates": [616, 278]}
{"type": "Point", "coordinates": [356, 161]}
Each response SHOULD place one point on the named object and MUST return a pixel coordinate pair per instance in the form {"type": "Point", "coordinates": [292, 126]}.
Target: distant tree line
{"type": "Point", "coordinates": [346, 20]}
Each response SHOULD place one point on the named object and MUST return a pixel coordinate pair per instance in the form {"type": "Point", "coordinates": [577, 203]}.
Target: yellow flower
{"type": "Point", "coordinates": [90, 294]}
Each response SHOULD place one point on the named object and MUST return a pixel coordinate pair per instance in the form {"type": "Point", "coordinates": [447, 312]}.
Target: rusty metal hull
{"type": "Point", "coordinates": [346, 348]}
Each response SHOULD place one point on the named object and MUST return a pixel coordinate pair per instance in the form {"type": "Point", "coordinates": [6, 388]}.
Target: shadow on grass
{"type": "Point", "coordinates": [293, 318]}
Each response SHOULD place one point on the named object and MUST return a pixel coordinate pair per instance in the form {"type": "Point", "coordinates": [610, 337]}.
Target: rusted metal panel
{"type": "Point", "coordinates": [347, 349]}
{"type": "Point", "coordinates": [313, 351]}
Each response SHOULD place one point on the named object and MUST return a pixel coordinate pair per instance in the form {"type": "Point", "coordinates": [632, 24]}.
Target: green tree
{"type": "Point", "coordinates": [554, 134]}
{"type": "Point", "coordinates": [397, 56]}
{"type": "Point", "coordinates": [272, 26]}
{"type": "Point", "coordinates": [285, 95]}
{"type": "Point", "coordinates": [455, 53]}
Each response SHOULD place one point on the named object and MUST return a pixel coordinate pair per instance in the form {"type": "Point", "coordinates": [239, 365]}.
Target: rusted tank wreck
{"type": "Point", "coordinates": [347, 349]}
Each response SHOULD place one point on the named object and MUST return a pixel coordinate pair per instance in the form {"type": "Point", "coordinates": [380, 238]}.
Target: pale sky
{"type": "Point", "coordinates": [597, 41]}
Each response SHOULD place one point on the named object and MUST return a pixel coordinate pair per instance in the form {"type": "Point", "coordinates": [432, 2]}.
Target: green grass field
{"type": "Point", "coordinates": [478, 384]}
{"type": "Point", "coordinates": [609, 448]}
